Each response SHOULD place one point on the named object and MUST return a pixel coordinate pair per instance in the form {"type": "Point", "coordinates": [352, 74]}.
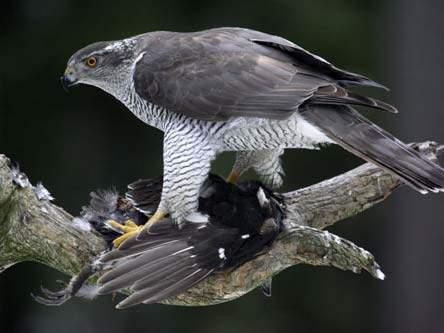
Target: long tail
{"type": "Point", "coordinates": [360, 136]}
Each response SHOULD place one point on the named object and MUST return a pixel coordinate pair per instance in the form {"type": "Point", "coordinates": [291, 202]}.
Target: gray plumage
{"type": "Point", "coordinates": [219, 74]}
{"type": "Point", "coordinates": [232, 89]}
{"type": "Point", "coordinates": [265, 162]}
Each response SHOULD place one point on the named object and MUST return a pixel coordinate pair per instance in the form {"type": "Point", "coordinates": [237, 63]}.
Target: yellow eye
{"type": "Point", "coordinates": [91, 62]}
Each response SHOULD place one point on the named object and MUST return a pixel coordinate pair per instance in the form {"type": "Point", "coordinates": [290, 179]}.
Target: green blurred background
{"type": "Point", "coordinates": [77, 142]}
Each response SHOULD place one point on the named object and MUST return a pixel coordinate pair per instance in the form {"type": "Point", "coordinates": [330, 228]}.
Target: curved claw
{"type": "Point", "coordinates": [127, 235]}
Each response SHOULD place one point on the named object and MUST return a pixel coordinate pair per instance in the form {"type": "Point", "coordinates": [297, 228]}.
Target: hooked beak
{"type": "Point", "coordinates": [67, 79]}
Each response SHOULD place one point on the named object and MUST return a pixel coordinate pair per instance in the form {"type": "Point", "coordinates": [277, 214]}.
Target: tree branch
{"type": "Point", "coordinates": [34, 229]}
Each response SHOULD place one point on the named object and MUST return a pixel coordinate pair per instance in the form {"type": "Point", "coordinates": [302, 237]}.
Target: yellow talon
{"type": "Point", "coordinates": [130, 223]}
{"type": "Point", "coordinates": [157, 216]}
{"type": "Point", "coordinates": [128, 226]}
{"type": "Point", "coordinates": [128, 234]}
{"type": "Point", "coordinates": [131, 229]}
{"type": "Point", "coordinates": [233, 177]}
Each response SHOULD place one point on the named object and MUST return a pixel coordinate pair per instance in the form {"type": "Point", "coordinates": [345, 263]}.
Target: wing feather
{"type": "Point", "coordinates": [222, 73]}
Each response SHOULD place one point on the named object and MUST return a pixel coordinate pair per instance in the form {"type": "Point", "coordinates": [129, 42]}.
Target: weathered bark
{"type": "Point", "coordinates": [34, 229]}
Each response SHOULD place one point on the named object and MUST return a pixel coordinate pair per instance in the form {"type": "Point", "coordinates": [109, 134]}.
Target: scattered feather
{"type": "Point", "coordinates": [42, 193]}
{"type": "Point", "coordinates": [19, 178]}
{"type": "Point", "coordinates": [81, 224]}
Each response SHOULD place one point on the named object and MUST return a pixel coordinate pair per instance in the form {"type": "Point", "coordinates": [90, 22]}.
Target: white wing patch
{"type": "Point", "coordinates": [262, 198]}
{"type": "Point", "coordinates": [222, 253]}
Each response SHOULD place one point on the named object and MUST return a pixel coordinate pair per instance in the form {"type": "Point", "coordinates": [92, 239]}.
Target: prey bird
{"type": "Point", "coordinates": [234, 89]}
{"type": "Point", "coordinates": [235, 223]}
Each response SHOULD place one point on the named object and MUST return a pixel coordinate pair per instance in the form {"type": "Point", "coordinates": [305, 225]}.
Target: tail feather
{"type": "Point", "coordinates": [360, 136]}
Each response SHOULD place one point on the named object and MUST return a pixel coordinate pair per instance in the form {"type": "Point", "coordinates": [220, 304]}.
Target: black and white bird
{"type": "Point", "coordinates": [234, 224]}
{"type": "Point", "coordinates": [233, 89]}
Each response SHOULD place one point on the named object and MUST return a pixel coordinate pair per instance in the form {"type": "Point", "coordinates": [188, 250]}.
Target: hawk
{"type": "Point", "coordinates": [234, 89]}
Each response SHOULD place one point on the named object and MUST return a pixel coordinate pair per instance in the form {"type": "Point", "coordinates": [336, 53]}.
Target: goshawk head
{"type": "Point", "coordinates": [106, 65]}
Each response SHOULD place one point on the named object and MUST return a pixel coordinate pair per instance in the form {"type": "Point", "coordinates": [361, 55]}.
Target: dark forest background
{"type": "Point", "coordinates": [77, 142]}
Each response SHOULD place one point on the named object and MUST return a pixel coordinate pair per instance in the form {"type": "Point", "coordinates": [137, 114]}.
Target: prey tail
{"type": "Point", "coordinates": [355, 133]}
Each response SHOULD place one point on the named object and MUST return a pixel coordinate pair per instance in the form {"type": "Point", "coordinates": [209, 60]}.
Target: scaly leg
{"type": "Point", "coordinates": [233, 176]}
